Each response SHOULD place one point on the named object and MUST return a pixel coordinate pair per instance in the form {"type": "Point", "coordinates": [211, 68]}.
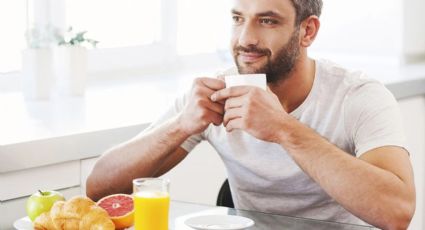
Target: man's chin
{"type": "Point", "coordinates": [250, 69]}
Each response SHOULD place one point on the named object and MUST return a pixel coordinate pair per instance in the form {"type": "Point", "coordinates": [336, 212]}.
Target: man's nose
{"type": "Point", "coordinates": [248, 36]}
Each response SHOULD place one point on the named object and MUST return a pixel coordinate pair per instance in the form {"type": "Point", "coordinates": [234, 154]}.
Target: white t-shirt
{"type": "Point", "coordinates": [353, 112]}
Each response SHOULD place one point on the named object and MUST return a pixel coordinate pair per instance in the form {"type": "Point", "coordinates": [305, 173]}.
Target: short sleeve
{"type": "Point", "coordinates": [173, 111]}
{"type": "Point", "coordinates": [373, 118]}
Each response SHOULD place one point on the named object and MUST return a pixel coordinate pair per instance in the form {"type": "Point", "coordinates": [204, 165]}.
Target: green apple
{"type": "Point", "coordinates": [40, 202]}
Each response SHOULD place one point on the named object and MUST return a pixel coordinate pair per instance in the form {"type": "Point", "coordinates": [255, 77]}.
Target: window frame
{"type": "Point", "coordinates": [147, 57]}
{"type": "Point", "coordinates": [141, 56]}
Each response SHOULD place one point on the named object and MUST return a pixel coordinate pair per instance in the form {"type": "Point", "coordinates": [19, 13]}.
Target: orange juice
{"type": "Point", "coordinates": [151, 210]}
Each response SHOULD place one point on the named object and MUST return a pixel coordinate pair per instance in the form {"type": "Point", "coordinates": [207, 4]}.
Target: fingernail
{"type": "Point", "coordinates": [213, 97]}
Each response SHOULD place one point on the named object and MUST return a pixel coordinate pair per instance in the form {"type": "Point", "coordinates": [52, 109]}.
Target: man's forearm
{"type": "Point", "coordinates": [142, 156]}
{"type": "Point", "coordinates": [156, 151]}
{"type": "Point", "coordinates": [371, 193]}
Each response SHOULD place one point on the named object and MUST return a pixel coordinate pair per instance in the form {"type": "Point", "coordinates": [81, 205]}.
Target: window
{"type": "Point", "coordinates": [150, 33]}
{"type": "Point", "coordinates": [116, 23]}
{"type": "Point", "coordinates": [203, 26]}
{"type": "Point", "coordinates": [361, 27]}
{"type": "Point", "coordinates": [12, 40]}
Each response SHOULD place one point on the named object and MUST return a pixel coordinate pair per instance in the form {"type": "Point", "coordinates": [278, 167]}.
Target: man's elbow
{"type": "Point", "coordinates": [92, 188]}
{"type": "Point", "coordinates": [402, 217]}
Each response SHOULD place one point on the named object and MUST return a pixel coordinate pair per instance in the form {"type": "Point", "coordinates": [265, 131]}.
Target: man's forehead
{"type": "Point", "coordinates": [283, 8]}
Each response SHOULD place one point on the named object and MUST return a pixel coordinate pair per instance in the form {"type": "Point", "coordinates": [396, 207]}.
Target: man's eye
{"type": "Point", "coordinates": [268, 21]}
{"type": "Point", "coordinates": [237, 19]}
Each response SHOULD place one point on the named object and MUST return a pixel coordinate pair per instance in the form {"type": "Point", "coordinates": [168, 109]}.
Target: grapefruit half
{"type": "Point", "coordinates": [120, 208]}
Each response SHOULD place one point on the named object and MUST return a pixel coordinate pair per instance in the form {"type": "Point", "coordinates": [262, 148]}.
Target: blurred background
{"type": "Point", "coordinates": [142, 34]}
{"type": "Point", "coordinates": [80, 76]}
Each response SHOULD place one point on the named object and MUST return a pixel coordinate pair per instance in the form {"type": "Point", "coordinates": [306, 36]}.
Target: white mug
{"type": "Point", "coordinates": [258, 80]}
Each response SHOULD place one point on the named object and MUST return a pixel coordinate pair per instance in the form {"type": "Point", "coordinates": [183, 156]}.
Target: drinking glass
{"type": "Point", "coordinates": [151, 203]}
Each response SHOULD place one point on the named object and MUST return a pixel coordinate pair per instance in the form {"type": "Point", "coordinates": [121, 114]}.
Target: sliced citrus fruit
{"type": "Point", "coordinates": [120, 208]}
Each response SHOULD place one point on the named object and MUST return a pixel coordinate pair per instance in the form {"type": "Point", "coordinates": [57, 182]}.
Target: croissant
{"type": "Point", "coordinates": [78, 213]}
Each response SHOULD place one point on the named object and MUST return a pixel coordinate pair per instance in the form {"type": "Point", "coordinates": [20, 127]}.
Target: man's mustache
{"type": "Point", "coordinates": [252, 49]}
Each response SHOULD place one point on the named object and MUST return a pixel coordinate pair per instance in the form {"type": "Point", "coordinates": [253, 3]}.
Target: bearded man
{"type": "Point", "coordinates": [322, 142]}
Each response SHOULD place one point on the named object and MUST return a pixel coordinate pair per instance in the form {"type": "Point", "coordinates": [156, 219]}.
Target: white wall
{"type": "Point", "coordinates": [384, 28]}
{"type": "Point", "coordinates": [361, 27]}
{"type": "Point", "coordinates": [414, 29]}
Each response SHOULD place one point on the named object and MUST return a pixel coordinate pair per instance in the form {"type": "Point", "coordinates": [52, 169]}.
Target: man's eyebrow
{"type": "Point", "coordinates": [236, 12]}
{"type": "Point", "coordinates": [269, 14]}
{"type": "Point", "coordinates": [262, 14]}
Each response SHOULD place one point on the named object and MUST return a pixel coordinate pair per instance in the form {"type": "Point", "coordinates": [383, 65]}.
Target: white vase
{"type": "Point", "coordinates": [71, 70]}
{"type": "Point", "coordinates": [37, 73]}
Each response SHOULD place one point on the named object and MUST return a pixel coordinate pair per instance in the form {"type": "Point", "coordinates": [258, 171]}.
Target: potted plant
{"type": "Point", "coordinates": [70, 57]}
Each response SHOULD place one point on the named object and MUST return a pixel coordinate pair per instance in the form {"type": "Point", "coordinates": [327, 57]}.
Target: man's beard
{"type": "Point", "coordinates": [277, 69]}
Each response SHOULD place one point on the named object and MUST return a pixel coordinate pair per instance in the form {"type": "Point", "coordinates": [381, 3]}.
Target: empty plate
{"type": "Point", "coordinates": [223, 222]}
{"type": "Point", "coordinates": [23, 224]}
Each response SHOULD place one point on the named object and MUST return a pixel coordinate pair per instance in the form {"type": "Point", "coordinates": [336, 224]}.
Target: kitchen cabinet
{"type": "Point", "coordinates": [413, 112]}
{"type": "Point", "coordinates": [196, 179]}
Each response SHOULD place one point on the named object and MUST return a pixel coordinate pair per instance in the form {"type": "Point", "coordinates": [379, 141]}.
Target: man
{"type": "Point", "coordinates": [322, 142]}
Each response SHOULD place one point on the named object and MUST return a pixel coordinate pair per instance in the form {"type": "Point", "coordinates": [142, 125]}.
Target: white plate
{"type": "Point", "coordinates": [23, 224]}
{"type": "Point", "coordinates": [223, 222]}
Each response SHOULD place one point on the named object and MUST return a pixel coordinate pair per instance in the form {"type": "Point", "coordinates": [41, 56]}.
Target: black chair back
{"type": "Point", "coordinates": [224, 197]}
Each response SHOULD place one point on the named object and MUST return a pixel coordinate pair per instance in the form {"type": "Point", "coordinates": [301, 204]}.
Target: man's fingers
{"type": "Point", "coordinates": [236, 123]}
{"type": "Point", "coordinates": [203, 100]}
{"type": "Point", "coordinates": [216, 107]}
{"type": "Point", "coordinates": [203, 91]}
{"type": "Point", "coordinates": [234, 91]}
{"type": "Point", "coordinates": [211, 83]}
{"type": "Point", "coordinates": [216, 118]}
{"type": "Point", "coordinates": [233, 102]}
{"type": "Point", "coordinates": [232, 114]}
{"type": "Point", "coordinates": [222, 102]}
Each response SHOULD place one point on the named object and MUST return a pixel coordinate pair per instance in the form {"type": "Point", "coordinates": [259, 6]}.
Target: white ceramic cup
{"type": "Point", "coordinates": [258, 80]}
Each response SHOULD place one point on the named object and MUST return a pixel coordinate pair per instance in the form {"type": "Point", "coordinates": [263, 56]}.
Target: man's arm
{"type": "Point", "coordinates": [146, 155]}
{"type": "Point", "coordinates": [153, 153]}
{"type": "Point", "coordinates": [378, 187]}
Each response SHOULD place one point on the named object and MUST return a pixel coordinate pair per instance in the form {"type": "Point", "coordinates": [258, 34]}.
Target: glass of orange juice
{"type": "Point", "coordinates": [151, 203]}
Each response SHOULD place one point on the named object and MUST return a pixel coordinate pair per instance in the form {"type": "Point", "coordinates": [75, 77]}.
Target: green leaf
{"type": "Point", "coordinates": [74, 39]}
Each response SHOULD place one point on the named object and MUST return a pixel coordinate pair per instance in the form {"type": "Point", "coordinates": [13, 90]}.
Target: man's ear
{"type": "Point", "coordinates": [308, 30]}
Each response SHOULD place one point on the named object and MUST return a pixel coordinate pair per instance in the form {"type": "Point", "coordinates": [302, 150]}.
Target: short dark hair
{"type": "Point", "coordinates": [306, 8]}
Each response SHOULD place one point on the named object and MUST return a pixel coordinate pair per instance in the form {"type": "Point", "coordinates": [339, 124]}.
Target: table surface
{"type": "Point", "coordinates": [181, 211]}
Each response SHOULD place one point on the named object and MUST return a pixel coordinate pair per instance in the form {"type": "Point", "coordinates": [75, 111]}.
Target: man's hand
{"type": "Point", "coordinates": [253, 110]}
{"type": "Point", "coordinates": [200, 110]}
